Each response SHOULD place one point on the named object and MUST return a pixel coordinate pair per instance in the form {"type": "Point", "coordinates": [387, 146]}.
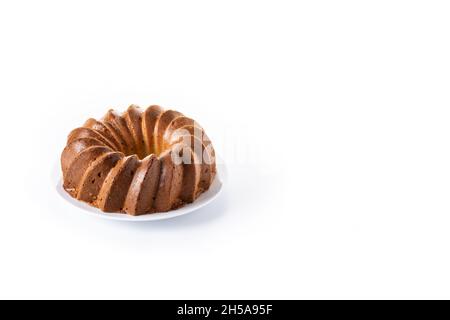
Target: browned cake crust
{"type": "Point", "coordinates": [95, 176]}
{"type": "Point", "coordinates": [133, 118]}
{"type": "Point", "coordinates": [143, 188]}
{"type": "Point", "coordinates": [115, 188]}
{"type": "Point", "coordinates": [138, 162]}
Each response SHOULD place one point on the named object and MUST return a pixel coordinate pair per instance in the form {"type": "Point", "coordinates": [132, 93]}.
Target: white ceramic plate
{"type": "Point", "coordinates": [202, 200]}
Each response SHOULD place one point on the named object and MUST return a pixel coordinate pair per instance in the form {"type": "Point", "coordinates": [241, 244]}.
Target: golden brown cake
{"type": "Point", "coordinates": [138, 162]}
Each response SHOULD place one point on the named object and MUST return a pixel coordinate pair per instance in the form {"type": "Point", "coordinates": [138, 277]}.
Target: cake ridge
{"type": "Point", "coordinates": [145, 180]}
{"type": "Point", "coordinates": [80, 164]}
{"type": "Point", "coordinates": [115, 187]}
{"type": "Point", "coordinates": [149, 120]}
{"type": "Point", "coordinates": [83, 132]}
{"type": "Point", "coordinates": [101, 129]}
{"type": "Point", "coordinates": [133, 118]}
{"type": "Point", "coordinates": [92, 181]}
{"type": "Point", "coordinates": [119, 124]}
{"type": "Point", "coordinates": [116, 134]}
{"type": "Point", "coordinates": [74, 148]}
{"type": "Point", "coordinates": [161, 125]}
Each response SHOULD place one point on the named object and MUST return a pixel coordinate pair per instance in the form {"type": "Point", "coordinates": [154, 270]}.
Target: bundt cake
{"type": "Point", "coordinates": [138, 162]}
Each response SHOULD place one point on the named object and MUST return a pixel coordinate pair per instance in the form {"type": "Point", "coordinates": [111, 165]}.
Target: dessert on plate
{"type": "Point", "coordinates": [138, 162]}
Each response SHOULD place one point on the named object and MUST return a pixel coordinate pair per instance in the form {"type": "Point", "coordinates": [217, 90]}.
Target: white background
{"type": "Point", "coordinates": [333, 118]}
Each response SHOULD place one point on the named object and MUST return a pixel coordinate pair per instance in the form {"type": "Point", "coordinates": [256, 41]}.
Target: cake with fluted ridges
{"type": "Point", "coordinates": [138, 162]}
